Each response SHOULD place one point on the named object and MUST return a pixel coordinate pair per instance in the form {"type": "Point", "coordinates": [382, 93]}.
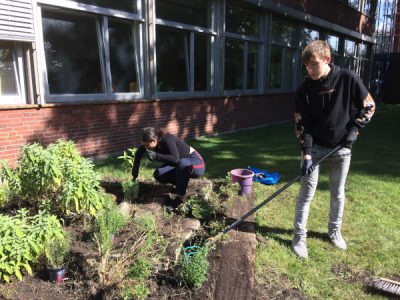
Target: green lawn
{"type": "Point", "coordinates": [371, 223]}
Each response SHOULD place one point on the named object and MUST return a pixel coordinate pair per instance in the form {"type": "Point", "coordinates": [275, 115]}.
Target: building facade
{"type": "Point", "coordinates": [98, 71]}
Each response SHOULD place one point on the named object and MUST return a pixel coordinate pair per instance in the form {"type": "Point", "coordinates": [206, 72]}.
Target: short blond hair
{"type": "Point", "coordinates": [317, 49]}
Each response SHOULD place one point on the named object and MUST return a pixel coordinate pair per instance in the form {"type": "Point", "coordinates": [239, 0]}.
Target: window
{"type": "Point", "coordinates": [333, 42]}
{"type": "Point", "coordinates": [364, 62]}
{"type": "Point", "coordinates": [12, 84]}
{"type": "Point", "coordinates": [349, 55]}
{"type": "Point", "coordinates": [91, 56]}
{"type": "Point", "coordinates": [242, 48]}
{"type": "Point", "coordinates": [282, 56]}
{"type": "Point", "coordinates": [184, 50]}
{"type": "Point", "coordinates": [193, 12]}
{"type": "Point", "coordinates": [72, 54]}
{"type": "Point", "coordinates": [310, 35]}
{"type": "Point", "coordinates": [123, 5]}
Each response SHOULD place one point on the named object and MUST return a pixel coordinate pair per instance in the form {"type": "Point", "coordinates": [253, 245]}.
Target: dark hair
{"type": "Point", "coordinates": [151, 134]}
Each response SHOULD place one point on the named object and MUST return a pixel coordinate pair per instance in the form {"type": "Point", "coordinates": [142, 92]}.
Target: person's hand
{"type": "Point", "coordinates": [306, 167]}
{"type": "Point", "coordinates": [152, 155]}
{"type": "Point", "coordinates": [350, 137]}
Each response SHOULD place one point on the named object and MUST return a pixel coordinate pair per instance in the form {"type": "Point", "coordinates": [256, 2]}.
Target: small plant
{"type": "Point", "coordinates": [131, 189]}
{"type": "Point", "coordinates": [140, 270]}
{"type": "Point", "coordinates": [216, 226]}
{"type": "Point", "coordinates": [193, 268]}
{"type": "Point", "coordinates": [56, 250]}
{"type": "Point", "coordinates": [198, 208]}
{"type": "Point", "coordinates": [128, 157]}
{"type": "Point", "coordinates": [138, 291]}
{"type": "Point", "coordinates": [108, 222]}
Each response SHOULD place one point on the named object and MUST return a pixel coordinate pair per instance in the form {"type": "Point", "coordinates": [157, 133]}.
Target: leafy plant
{"type": "Point", "coordinates": [131, 189]}
{"type": "Point", "coordinates": [56, 250]}
{"type": "Point", "coordinates": [58, 173]}
{"type": "Point", "coordinates": [128, 158]}
{"type": "Point", "coordinates": [22, 239]}
{"type": "Point", "coordinates": [138, 291]}
{"type": "Point", "coordinates": [193, 268]}
{"type": "Point", "coordinates": [140, 269]}
{"type": "Point", "coordinates": [198, 208]}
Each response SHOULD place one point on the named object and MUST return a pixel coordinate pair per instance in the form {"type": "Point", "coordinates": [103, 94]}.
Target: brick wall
{"type": "Point", "coordinates": [104, 128]}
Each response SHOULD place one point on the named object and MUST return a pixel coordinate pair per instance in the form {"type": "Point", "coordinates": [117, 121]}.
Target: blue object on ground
{"type": "Point", "coordinates": [264, 177]}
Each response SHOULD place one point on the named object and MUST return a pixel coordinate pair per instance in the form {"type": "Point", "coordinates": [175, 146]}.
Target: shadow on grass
{"type": "Point", "coordinates": [274, 232]}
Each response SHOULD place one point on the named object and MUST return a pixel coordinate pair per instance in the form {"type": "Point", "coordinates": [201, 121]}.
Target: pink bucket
{"type": "Point", "coordinates": [245, 178]}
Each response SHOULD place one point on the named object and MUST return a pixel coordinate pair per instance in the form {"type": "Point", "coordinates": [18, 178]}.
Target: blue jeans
{"type": "Point", "coordinates": [190, 167]}
{"type": "Point", "coordinates": [338, 166]}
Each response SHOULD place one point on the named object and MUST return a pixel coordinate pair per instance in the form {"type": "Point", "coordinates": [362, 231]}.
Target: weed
{"type": "Point", "coordinates": [131, 189]}
{"type": "Point", "coordinates": [140, 270]}
{"type": "Point", "coordinates": [193, 268]}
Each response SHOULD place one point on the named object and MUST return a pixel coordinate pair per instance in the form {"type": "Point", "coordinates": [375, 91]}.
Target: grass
{"type": "Point", "coordinates": [370, 227]}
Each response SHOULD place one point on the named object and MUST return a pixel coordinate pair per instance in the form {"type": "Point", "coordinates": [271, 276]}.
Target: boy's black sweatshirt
{"type": "Point", "coordinates": [327, 108]}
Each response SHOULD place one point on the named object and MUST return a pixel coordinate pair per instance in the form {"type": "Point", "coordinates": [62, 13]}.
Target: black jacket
{"type": "Point", "coordinates": [170, 150]}
{"type": "Point", "coordinates": [325, 109]}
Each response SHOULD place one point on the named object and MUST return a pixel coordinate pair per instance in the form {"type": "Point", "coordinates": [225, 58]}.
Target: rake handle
{"type": "Point", "coordinates": [293, 180]}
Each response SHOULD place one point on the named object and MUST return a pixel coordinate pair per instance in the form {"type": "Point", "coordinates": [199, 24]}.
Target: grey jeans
{"type": "Point", "coordinates": [338, 166]}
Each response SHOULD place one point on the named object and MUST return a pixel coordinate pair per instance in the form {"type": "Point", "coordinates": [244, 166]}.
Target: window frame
{"type": "Point", "coordinates": [192, 30]}
{"type": "Point", "coordinates": [101, 16]}
{"type": "Point", "coordinates": [285, 47]}
{"type": "Point", "coordinates": [246, 39]}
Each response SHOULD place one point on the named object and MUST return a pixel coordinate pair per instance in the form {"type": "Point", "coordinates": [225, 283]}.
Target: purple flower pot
{"type": "Point", "coordinates": [57, 275]}
{"type": "Point", "coordinates": [245, 179]}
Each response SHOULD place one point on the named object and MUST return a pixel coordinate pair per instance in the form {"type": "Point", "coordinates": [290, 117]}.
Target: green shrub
{"type": "Point", "coordinates": [140, 270]}
{"type": "Point", "coordinates": [193, 268]}
{"type": "Point", "coordinates": [138, 292]}
{"type": "Point", "coordinates": [59, 174]}
{"type": "Point", "coordinates": [198, 207]}
{"type": "Point", "coordinates": [22, 238]}
{"type": "Point", "coordinates": [56, 249]}
{"type": "Point", "coordinates": [108, 222]}
{"type": "Point", "coordinates": [131, 189]}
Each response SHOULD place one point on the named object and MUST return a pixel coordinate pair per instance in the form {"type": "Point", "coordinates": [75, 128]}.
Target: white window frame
{"type": "Point", "coordinates": [101, 15]}
{"type": "Point", "coordinates": [211, 32]}
{"type": "Point", "coordinates": [18, 65]}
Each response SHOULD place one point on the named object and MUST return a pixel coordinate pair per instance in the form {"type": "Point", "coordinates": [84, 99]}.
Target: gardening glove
{"type": "Point", "coordinates": [152, 155]}
{"type": "Point", "coordinates": [350, 137]}
{"type": "Point", "coordinates": [306, 167]}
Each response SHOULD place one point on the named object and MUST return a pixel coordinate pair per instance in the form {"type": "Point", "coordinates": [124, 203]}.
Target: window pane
{"type": "Point", "coordinates": [353, 3]}
{"type": "Point", "coordinates": [122, 58]}
{"type": "Point", "coordinates": [275, 68]}
{"type": "Point", "coordinates": [172, 49]}
{"type": "Point", "coordinates": [233, 65]}
{"type": "Point", "coordinates": [124, 5]}
{"type": "Point", "coordinates": [310, 35]}
{"type": "Point", "coordinates": [8, 86]}
{"type": "Point", "coordinates": [288, 68]}
{"type": "Point", "coordinates": [252, 66]}
{"type": "Point", "coordinates": [363, 50]}
{"type": "Point", "coordinates": [72, 54]}
{"type": "Point", "coordinates": [333, 42]}
{"type": "Point", "coordinates": [194, 12]}
{"type": "Point", "coordinates": [283, 32]}
{"type": "Point", "coordinates": [241, 20]}
{"type": "Point", "coordinates": [202, 68]}
{"type": "Point", "coordinates": [349, 48]}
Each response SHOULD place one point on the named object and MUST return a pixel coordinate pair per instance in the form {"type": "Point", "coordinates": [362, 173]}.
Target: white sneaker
{"type": "Point", "coordinates": [299, 246]}
{"type": "Point", "coordinates": [337, 239]}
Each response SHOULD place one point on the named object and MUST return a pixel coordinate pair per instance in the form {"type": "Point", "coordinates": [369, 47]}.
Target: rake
{"type": "Point", "coordinates": [386, 285]}
{"type": "Point", "coordinates": [270, 198]}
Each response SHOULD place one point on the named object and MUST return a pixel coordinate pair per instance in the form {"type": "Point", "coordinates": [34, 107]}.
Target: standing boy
{"type": "Point", "coordinates": [331, 105]}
